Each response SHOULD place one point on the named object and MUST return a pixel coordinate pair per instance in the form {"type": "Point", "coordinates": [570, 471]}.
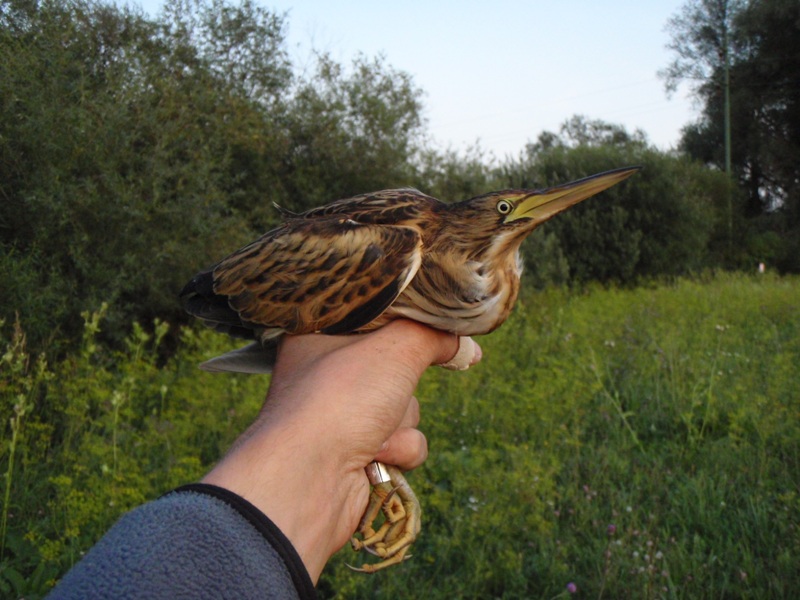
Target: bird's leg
{"type": "Point", "coordinates": [391, 495]}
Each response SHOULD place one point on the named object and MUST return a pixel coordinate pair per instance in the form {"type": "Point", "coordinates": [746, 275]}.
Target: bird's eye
{"type": "Point", "coordinates": [504, 207]}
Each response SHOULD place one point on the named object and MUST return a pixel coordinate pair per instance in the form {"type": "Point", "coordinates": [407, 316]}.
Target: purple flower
{"type": "Point", "coordinates": [611, 529]}
{"type": "Point", "coordinates": [572, 588]}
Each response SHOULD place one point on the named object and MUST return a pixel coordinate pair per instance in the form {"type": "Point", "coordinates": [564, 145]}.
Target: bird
{"type": "Point", "coordinates": [354, 265]}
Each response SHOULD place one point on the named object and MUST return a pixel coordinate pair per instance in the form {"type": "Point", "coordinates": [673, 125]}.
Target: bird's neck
{"type": "Point", "coordinates": [487, 278]}
{"type": "Point", "coordinates": [503, 264]}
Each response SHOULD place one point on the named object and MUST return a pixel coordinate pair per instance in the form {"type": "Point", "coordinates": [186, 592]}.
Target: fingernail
{"type": "Point", "coordinates": [476, 358]}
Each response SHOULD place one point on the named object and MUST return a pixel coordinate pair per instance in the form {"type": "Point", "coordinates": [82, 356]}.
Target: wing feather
{"type": "Point", "coordinates": [326, 274]}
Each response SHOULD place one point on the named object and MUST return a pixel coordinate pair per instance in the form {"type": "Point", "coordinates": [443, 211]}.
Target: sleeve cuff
{"type": "Point", "coordinates": [268, 530]}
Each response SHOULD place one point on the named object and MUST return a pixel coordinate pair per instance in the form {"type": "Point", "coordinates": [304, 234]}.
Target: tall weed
{"type": "Point", "coordinates": [640, 443]}
{"type": "Point", "coordinates": [98, 433]}
{"type": "Point", "coordinates": [636, 443]}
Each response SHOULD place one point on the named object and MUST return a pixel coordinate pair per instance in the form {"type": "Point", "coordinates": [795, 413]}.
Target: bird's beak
{"type": "Point", "coordinates": [543, 204]}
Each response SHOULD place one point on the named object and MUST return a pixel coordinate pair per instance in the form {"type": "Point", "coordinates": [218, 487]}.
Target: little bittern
{"type": "Point", "coordinates": [355, 264]}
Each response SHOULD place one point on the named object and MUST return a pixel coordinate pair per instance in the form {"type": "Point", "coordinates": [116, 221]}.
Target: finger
{"type": "Point", "coordinates": [468, 353]}
{"type": "Point", "coordinates": [421, 346]}
{"type": "Point", "coordinates": [407, 448]}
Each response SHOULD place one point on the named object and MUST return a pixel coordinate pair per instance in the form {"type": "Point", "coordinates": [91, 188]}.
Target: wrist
{"type": "Point", "coordinates": [302, 488]}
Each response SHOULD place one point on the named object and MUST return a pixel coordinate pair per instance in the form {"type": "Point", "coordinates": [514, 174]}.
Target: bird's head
{"type": "Point", "coordinates": [507, 216]}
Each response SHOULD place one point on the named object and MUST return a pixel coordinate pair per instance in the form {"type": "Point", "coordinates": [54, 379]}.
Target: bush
{"type": "Point", "coordinates": [659, 223]}
{"type": "Point", "coordinates": [99, 432]}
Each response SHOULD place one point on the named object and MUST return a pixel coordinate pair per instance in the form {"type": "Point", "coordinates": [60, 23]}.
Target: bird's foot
{"type": "Point", "coordinates": [401, 522]}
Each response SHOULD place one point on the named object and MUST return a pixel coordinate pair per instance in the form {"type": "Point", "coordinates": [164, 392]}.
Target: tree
{"type": "Point", "coordinates": [242, 44]}
{"type": "Point", "coordinates": [763, 48]}
{"type": "Point", "coordinates": [770, 30]}
{"type": "Point", "coordinates": [703, 43]}
{"type": "Point", "coordinates": [121, 164]}
{"type": "Point", "coordinates": [134, 152]}
{"type": "Point", "coordinates": [350, 131]}
{"type": "Point", "coordinates": [452, 176]}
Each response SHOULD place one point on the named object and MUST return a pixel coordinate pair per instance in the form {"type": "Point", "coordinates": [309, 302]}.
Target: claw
{"type": "Point", "coordinates": [367, 568]}
{"type": "Point", "coordinates": [401, 513]}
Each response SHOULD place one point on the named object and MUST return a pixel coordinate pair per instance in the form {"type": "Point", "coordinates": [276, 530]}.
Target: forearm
{"type": "Point", "coordinates": [304, 488]}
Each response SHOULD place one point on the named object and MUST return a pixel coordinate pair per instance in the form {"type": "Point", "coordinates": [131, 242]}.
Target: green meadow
{"type": "Point", "coordinates": [613, 443]}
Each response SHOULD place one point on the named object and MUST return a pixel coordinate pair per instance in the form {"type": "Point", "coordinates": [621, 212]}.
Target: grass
{"type": "Point", "coordinates": [638, 443]}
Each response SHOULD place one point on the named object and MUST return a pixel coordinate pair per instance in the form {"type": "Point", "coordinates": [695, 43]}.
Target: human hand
{"type": "Point", "coordinates": [335, 404]}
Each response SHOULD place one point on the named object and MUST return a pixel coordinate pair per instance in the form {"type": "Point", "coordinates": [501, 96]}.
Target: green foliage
{"type": "Point", "coordinates": [94, 435]}
{"type": "Point", "coordinates": [703, 33]}
{"type": "Point", "coordinates": [669, 412]}
{"type": "Point", "coordinates": [661, 222]}
{"type": "Point", "coordinates": [134, 152]}
{"type": "Point", "coordinates": [116, 147]}
{"type": "Point", "coordinates": [350, 132]}
{"type": "Point", "coordinates": [451, 176]}
{"type": "Point", "coordinates": [764, 113]}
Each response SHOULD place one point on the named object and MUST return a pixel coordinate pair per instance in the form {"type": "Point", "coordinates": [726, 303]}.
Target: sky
{"type": "Point", "coordinates": [498, 73]}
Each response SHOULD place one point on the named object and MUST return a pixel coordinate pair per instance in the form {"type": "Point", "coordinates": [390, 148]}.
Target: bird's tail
{"type": "Point", "coordinates": [255, 358]}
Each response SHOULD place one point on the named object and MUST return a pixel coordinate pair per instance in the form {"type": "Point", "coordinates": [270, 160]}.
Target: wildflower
{"type": "Point", "coordinates": [572, 588]}
{"type": "Point", "coordinates": [611, 529]}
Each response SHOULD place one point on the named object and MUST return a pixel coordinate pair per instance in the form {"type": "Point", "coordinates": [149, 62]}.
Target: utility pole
{"type": "Point", "coordinates": [726, 90]}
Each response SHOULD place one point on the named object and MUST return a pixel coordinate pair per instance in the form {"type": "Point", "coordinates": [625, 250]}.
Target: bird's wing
{"type": "Point", "coordinates": [387, 207]}
{"type": "Point", "coordinates": [328, 274]}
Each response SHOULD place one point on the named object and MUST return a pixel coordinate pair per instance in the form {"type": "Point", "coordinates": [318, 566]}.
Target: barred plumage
{"type": "Point", "coordinates": [355, 264]}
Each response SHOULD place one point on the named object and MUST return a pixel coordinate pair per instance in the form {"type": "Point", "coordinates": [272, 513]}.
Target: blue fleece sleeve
{"type": "Point", "coordinates": [199, 541]}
